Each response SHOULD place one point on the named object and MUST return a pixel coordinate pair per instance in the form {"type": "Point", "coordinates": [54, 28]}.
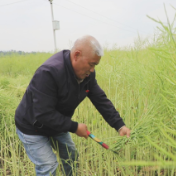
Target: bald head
{"type": "Point", "coordinates": [85, 55]}
{"type": "Point", "coordinates": [88, 44]}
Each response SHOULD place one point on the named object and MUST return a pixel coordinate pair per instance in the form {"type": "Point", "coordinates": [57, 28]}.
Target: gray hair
{"type": "Point", "coordinates": [92, 42]}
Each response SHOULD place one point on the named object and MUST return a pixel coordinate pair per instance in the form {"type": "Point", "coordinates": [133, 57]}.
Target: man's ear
{"type": "Point", "coordinates": [77, 54]}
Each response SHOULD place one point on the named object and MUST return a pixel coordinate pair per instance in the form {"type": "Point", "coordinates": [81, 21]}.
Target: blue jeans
{"type": "Point", "coordinates": [39, 151]}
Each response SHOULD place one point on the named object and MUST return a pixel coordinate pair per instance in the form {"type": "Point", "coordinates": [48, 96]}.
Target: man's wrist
{"type": "Point", "coordinates": [120, 128]}
{"type": "Point", "coordinates": [74, 126]}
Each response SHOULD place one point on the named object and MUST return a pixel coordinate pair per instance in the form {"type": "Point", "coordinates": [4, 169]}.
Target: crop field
{"type": "Point", "coordinates": [141, 83]}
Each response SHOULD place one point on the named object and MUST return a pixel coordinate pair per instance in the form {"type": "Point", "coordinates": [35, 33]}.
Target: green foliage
{"type": "Point", "coordinates": [14, 65]}
{"type": "Point", "coordinates": [140, 81]}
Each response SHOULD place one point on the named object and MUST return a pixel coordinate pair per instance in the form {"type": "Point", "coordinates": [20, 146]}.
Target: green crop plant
{"type": "Point", "coordinates": [139, 80]}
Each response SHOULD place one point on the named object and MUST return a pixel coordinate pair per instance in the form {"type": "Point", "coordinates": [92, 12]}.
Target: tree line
{"type": "Point", "coordinates": [11, 52]}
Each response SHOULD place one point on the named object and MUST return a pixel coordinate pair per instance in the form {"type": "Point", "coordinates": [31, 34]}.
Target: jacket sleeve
{"type": "Point", "coordinates": [104, 106]}
{"type": "Point", "coordinates": [44, 98]}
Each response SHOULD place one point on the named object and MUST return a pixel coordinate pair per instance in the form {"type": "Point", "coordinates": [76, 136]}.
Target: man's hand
{"type": "Point", "coordinates": [82, 130]}
{"type": "Point", "coordinates": [124, 131]}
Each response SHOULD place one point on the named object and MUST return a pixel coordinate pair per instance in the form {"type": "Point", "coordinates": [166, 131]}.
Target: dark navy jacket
{"type": "Point", "coordinates": [54, 93]}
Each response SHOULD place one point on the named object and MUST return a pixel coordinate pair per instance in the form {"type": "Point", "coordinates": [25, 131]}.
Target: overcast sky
{"type": "Point", "coordinates": [26, 24]}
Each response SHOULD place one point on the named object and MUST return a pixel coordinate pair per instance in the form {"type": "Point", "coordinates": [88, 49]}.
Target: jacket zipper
{"type": "Point", "coordinates": [78, 93]}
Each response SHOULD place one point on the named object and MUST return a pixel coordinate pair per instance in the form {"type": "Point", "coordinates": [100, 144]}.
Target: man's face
{"type": "Point", "coordinates": [85, 64]}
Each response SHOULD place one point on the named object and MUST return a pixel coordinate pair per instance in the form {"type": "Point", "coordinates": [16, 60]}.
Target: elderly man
{"type": "Point", "coordinates": [59, 85]}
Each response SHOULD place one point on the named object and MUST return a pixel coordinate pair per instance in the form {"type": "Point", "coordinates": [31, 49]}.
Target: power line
{"type": "Point", "coordinates": [84, 14]}
{"type": "Point", "coordinates": [13, 3]}
{"type": "Point", "coordinates": [17, 15]}
{"type": "Point", "coordinates": [100, 14]}
{"type": "Point", "coordinates": [95, 18]}
{"type": "Point", "coordinates": [3, 0]}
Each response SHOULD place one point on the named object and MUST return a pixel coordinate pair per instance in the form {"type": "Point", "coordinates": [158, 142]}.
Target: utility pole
{"type": "Point", "coordinates": [55, 25]}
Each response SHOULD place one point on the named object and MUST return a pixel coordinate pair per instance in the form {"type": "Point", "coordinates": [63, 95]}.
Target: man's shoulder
{"type": "Point", "coordinates": [54, 65]}
{"type": "Point", "coordinates": [57, 60]}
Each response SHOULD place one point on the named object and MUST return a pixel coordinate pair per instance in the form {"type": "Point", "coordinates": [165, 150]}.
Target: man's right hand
{"type": "Point", "coordinates": [82, 130]}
